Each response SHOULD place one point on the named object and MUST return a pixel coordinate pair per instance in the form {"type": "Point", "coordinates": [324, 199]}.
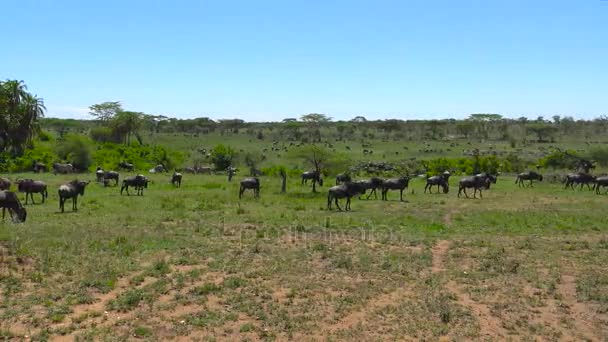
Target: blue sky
{"type": "Point", "coordinates": [268, 60]}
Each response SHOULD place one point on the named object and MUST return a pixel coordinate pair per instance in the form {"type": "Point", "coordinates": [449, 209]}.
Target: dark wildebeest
{"type": "Point", "coordinates": [10, 201]}
{"type": "Point", "coordinates": [62, 168]}
{"type": "Point", "coordinates": [139, 182]}
{"type": "Point", "coordinates": [159, 169]}
{"type": "Point", "coordinates": [71, 190]}
{"type": "Point", "coordinates": [188, 169]}
{"type": "Point", "coordinates": [203, 169]}
{"type": "Point", "coordinates": [108, 175]}
{"type": "Point", "coordinates": [345, 190]}
{"type": "Point", "coordinates": [99, 174]}
{"type": "Point", "coordinates": [371, 184]}
{"type": "Point", "coordinates": [38, 167]}
{"type": "Point", "coordinates": [126, 166]}
{"type": "Point", "coordinates": [490, 177]}
{"type": "Point", "coordinates": [313, 175]}
{"type": "Point", "coordinates": [5, 183]}
{"type": "Point", "coordinates": [478, 182]}
{"type": "Point", "coordinates": [343, 178]}
{"type": "Point", "coordinates": [30, 187]}
{"type": "Point", "coordinates": [231, 172]}
{"type": "Point", "coordinates": [439, 181]}
{"type": "Point", "coordinates": [176, 179]}
{"type": "Point", "coordinates": [600, 181]}
{"type": "Point", "coordinates": [578, 178]}
{"type": "Point", "coordinates": [250, 183]}
{"type": "Point", "coordinates": [395, 184]}
{"type": "Point", "coordinates": [528, 176]}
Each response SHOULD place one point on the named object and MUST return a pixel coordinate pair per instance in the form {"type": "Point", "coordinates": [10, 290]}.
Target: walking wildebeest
{"type": "Point", "coordinates": [30, 187]}
{"type": "Point", "coordinates": [478, 182]}
{"type": "Point", "coordinates": [71, 190]}
{"type": "Point", "coordinates": [490, 177]}
{"type": "Point", "coordinates": [343, 178]}
{"type": "Point", "coordinates": [528, 176]}
{"type": "Point", "coordinates": [99, 174]}
{"type": "Point", "coordinates": [345, 190]}
{"type": "Point", "coordinates": [5, 183]}
{"type": "Point", "coordinates": [231, 172]}
{"type": "Point", "coordinates": [600, 181]}
{"type": "Point", "coordinates": [395, 184]}
{"type": "Point", "coordinates": [176, 179]}
{"type": "Point", "coordinates": [313, 175]}
{"type": "Point", "coordinates": [250, 183]}
{"type": "Point", "coordinates": [139, 182]}
{"type": "Point", "coordinates": [10, 201]}
{"type": "Point", "coordinates": [126, 166]}
{"type": "Point", "coordinates": [62, 168]}
{"type": "Point", "coordinates": [439, 181]}
{"type": "Point", "coordinates": [373, 184]}
{"type": "Point", "coordinates": [578, 178]}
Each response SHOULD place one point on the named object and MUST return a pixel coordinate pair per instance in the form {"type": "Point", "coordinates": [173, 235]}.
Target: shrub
{"type": "Point", "coordinates": [76, 149]}
{"type": "Point", "coordinates": [222, 156]}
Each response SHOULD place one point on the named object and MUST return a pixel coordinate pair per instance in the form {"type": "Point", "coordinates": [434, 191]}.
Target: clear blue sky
{"type": "Point", "coordinates": [268, 60]}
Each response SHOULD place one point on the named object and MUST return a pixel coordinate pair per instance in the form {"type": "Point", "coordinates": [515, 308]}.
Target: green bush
{"type": "Point", "coordinates": [222, 156]}
{"type": "Point", "coordinates": [77, 150]}
{"type": "Point", "coordinates": [41, 154]}
{"type": "Point", "coordinates": [600, 155]}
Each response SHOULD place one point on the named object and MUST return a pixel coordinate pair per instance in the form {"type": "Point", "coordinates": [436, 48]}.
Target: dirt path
{"type": "Point", "coordinates": [580, 313]}
{"type": "Point", "coordinates": [439, 251]}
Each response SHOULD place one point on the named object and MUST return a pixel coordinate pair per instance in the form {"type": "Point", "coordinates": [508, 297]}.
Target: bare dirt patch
{"type": "Point", "coordinates": [439, 251]}
{"type": "Point", "coordinates": [580, 313]}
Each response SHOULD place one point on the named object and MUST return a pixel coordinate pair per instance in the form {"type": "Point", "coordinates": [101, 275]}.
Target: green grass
{"type": "Point", "coordinates": [282, 266]}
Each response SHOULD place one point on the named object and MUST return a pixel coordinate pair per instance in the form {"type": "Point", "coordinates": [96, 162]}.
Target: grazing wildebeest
{"type": "Point", "coordinates": [176, 179]}
{"type": "Point", "coordinates": [343, 178]}
{"type": "Point", "coordinates": [159, 168]}
{"type": "Point", "coordinates": [395, 184]}
{"type": "Point", "coordinates": [71, 190]}
{"type": "Point", "coordinates": [578, 178]}
{"type": "Point", "coordinates": [126, 166]}
{"type": "Point", "coordinates": [189, 170]}
{"type": "Point", "coordinates": [62, 168]}
{"type": "Point", "coordinates": [490, 177]}
{"type": "Point", "coordinates": [30, 187]}
{"type": "Point", "coordinates": [371, 184]}
{"type": "Point", "coordinates": [10, 201]}
{"type": "Point", "coordinates": [478, 182]}
{"type": "Point", "coordinates": [250, 183]}
{"type": "Point", "coordinates": [528, 176]}
{"type": "Point", "coordinates": [203, 169]}
{"type": "Point", "coordinates": [139, 182]}
{"type": "Point", "coordinates": [108, 175]}
{"type": "Point", "coordinates": [439, 181]}
{"type": "Point", "coordinates": [600, 181]}
{"type": "Point", "coordinates": [5, 183]}
{"type": "Point", "coordinates": [313, 175]}
{"type": "Point", "coordinates": [38, 167]}
{"type": "Point", "coordinates": [345, 190]}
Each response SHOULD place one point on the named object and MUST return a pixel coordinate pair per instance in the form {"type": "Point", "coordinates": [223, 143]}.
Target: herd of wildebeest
{"type": "Point", "coordinates": [345, 187]}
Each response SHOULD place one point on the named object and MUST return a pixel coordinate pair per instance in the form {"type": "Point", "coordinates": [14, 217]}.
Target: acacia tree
{"type": "Point", "coordinates": [315, 157]}
{"type": "Point", "coordinates": [105, 111]}
{"type": "Point", "coordinates": [19, 115]}
{"type": "Point", "coordinates": [314, 121]}
{"type": "Point", "coordinates": [126, 124]}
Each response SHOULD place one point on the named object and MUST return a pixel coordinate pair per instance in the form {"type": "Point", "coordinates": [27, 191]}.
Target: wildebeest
{"type": "Point", "coordinates": [30, 187]}
{"type": "Point", "coordinates": [395, 184]}
{"type": "Point", "coordinates": [108, 175]}
{"type": "Point", "coordinates": [139, 182]}
{"type": "Point", "coordinates": [600, 181]}
{"type": "Point", "coordinates": [126, 166]}
{"type": "Point", "coordinates": [99, 174]}
{"type": "Point", "coordinates": [38, 167]}
{"type": "Point", "coordinates": [158, 169]}
{"type": "Point", "coordinates": [62, 168]}
{"type": "Point", "coordinates": [176, 179]}
{"type": "Point", "coordinates": [231, 172]}
{"type": "Point", "coordinates": [528, 176]}
{"type": "Point", "coordinates": [345, 190]}
{"type": "Point", "coordinates": [371, 184]}
{"type": "Point", "coordinates": [9, 200]}
{"type": "Point", "coordinates": [5, 183]}
{"type": "Point", "coordinates": [478, 182]}
{"type": "Point", "coordinates": [188, 169]}
{"type": "Point", "coordinates": [252, 183]}
{"type": "Point", "coordinates": [71, 190]}
{"type": "Point", "coordinates": [491, 179]}
{"type": "Point", "coordinates": [342, 178]}
{"type": "Point", "coordinates": [313, 175]}
{"type": "Point", "coordinates": [578, 178]}
{"type": "Point", "coordinates": [203, 169]}
{"type": "Point", "coordinates": [439, 181]}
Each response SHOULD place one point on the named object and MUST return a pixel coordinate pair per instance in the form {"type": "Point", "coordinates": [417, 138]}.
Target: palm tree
{"type": "Point", "coordinates": [19, 115]}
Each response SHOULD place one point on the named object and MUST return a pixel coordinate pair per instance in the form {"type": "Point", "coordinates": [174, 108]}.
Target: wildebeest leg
{"type": "Point", "coordinates": [337, 205]}
{"type": "Point", "coordinates": [328, 201]}
{"type": "Point", "coordinates": [241, 192]}
{"type": "Point", "coordinates": [401, 195]}
{"type": "Point", "coordinates": [465, 192]}
{"type": "Point", "coordinates": [480, 195]}
{"type": "Point", "coordinates": [32, 196]}
{"type": "Point", "coordinates": [3, 209]}
{"type": "Point", "coordinates": [61, 202]}
{"type": "Point", "coordinates": [75, 203]}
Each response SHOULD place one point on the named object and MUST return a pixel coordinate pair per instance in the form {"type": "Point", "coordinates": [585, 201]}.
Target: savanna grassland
{"type": "Point", "coordinates": [196, 263]}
